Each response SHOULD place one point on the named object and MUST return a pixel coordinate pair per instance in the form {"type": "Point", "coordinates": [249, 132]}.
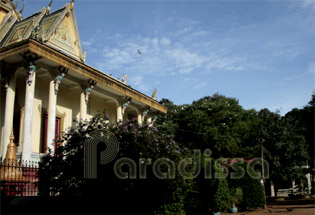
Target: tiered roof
{"type": "Point", "coordinates": [58, 29]}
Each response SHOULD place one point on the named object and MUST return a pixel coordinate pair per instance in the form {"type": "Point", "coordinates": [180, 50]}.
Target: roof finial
{"type": "Point", "coordinates": [71, 5]}
{"type": "Point", "coordinates": [48, 7]}
{"type": "Point", "coordinates": [20, 12]}
{"type": "Point", "coordinates": [11, 137]}
{"type": "Point", "coordinates": [50, 3]}
{"type": "Point", "coordinates": [16, 4]}
{"type": "Point", "coordinates": [12, 5]}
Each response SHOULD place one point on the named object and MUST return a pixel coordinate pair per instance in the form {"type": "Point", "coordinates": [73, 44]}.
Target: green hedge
{"type": "Point", "coordinates": [253, 194]}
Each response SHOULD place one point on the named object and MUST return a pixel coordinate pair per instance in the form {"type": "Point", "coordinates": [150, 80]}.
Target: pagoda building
{"type": "Point", "coordinates": [46, 84]}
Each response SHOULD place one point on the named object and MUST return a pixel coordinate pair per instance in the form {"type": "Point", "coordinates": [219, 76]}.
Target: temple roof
{"type": "Point", "coordinates": [54, 37]}
{"type": "Point", "coordinates": [57, 29]}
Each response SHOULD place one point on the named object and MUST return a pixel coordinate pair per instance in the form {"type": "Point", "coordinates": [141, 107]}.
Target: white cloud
{"type": "Point", "coordinates": [166, 56]}
{"type": "Point", "coordinates": [165, 41]}
{"type": "Point", "coordinates": [202, 84]}
{"type": "Point", "coordinates": [138, 81]}
{"type": "Point", "coordinates": [226, 63]}
{"type": "Point", "coordinates": [283, 48]}
{"type": "Point", "coordinates": [311, 68]}
{"type": "Point", "coordinates": [161, 57]}
{"type": "Point", "coordinates": [307, 3]}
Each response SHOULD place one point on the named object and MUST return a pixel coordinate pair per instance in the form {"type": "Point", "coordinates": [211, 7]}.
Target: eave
{"type": "Point", "coordinates": [101, 78]}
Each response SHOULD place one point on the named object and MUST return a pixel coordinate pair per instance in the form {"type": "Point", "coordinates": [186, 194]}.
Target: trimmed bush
{"type": "Point", "coordinates": [209, 194]}
{"type": "Point", "coordinates": [253, 194]}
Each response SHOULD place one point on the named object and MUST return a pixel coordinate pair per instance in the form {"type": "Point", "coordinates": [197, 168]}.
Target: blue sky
{"type": "Point", "coordinates": [260, 52]}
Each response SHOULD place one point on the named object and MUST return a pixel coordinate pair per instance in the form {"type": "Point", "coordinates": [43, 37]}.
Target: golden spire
{"type": "Point", "coordinates": [71, 5]}
{"type": "Point", "coordinates": [19, 13]}
{"type": "Point", "coordinates": [15, 5]}
{"type": "Point", "coordinates": [48, 7]}
{"type": "Point", "coordinates": [11, 150]}
{"type": "Point", "coordinates": [11, 170]}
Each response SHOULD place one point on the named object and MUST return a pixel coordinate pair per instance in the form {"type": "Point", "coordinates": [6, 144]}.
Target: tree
{"type": "Point", "coordinates": [302, 121]}
{"type": "Point", "coordinates": [284, 148]}
{"type": "Point", "coordinates": [218, 123]}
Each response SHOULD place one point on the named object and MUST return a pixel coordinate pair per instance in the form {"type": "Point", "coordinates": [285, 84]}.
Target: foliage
{"type": "Point", "coordinates": [236, 195]}
{"type": "Point", "coordinates": [215, 122]}
{"type": "Point", "coordinates": [219, 123]}
{"type": "Point", "coordinates": [252, 189]}
{"type": "Point", "coordinates": [64, 172]}
{"type": "Point", "coordinates": [302, 121]}
{"type": "Point", "coordinates": [209, 194]}
{"type": "Point", "coordinates": [284, 148]}
{"type": "Point", "coordinates": [222, 196]}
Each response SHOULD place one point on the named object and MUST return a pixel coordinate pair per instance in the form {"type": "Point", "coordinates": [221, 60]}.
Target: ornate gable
{"type": "Point", "coordinates": [58, 30]}
{"type": "Point", "coordinates": [63, 33]}
{"type": "Point", "coordinates": [22, 30]}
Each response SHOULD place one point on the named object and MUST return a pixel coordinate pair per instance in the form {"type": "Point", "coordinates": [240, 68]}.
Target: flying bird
{"type": "Point", "coordinates": [139, 52]}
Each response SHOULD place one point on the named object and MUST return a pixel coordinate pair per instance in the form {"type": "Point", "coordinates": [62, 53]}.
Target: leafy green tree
{"type": "Point", "coordinates": [302, 121]}
{"type": "Point", "coordinates": [284, 148]}
{"type": "Point", "coordinates": [216, 122]}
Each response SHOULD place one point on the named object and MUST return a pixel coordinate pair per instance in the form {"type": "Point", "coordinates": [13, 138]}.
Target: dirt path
{"type": "Point", "coordinates": [297, 207]}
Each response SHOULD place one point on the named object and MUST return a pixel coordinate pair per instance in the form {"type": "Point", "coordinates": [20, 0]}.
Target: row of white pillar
{"type": "Point", "coordinates": [139, 115]}
{"type": "Point", "coordinates": [28, 113]}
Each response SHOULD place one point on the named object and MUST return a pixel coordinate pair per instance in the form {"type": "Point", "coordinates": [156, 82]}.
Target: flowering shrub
{"type": "Point", "coordinates": [63, 174]}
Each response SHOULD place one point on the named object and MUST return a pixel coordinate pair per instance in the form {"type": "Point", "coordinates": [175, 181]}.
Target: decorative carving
{"type": "Point", "coordinates": [30, 73]}
{"type": "Point", "coordinates": [125, 105]}
{"type": "Point", "coordinates": [19, 14]}
{"type": "Point", "coordinates": [30, 67]}
{"type": "Point", "coordinates": [154, 119]}
{"type": "Point", "coordinates": [48, 7]}
{"type": "Point", "coordinates": [124, 79]}
{"type": "Point", "coordinates": [83, 54]}
{"type": "Point", "coordinates": [63, 34]}
{"type": "Point", "coordinates": [154, 94]}
{"type": "Point", "coordinates": [35, 30]}
{"type": "Point", "coordinates": [59, 78]}
{"type": "Point", "coordinates": [88, 90]}
{"type": "Point", "coordinates": [19, 33]}
{"type": "Point", "coordinates": [6, 86]}
{"type": "Point", "coordinates": [71, 5]}
{"type": "Point", "coordinates": [76, 66]}
{"type": "Point", "coordinates": [16, 12]}
{"type": "Point", "coordinates": [144, 113]}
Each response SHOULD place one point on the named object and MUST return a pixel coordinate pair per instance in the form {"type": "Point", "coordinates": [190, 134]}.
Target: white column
{"type": "Point", "coordinates": [83, 107]}
{"type": "Point", "coordinates": [8, 117]}
{"type": "Point", "coordinates": [28, 120]}
{"type": "Point", "coordinates": [308, 178]}
{"type": "Point", "coordinates": [51, 124]}
{"type": "Point", "coordinates": [139, 118]}
{"type": "Point", "coordinates": [119, 115]}
{"type": "Point", "coordinates": [272, 189]}
{"type": "Point", "coordinates": [149, 120]}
